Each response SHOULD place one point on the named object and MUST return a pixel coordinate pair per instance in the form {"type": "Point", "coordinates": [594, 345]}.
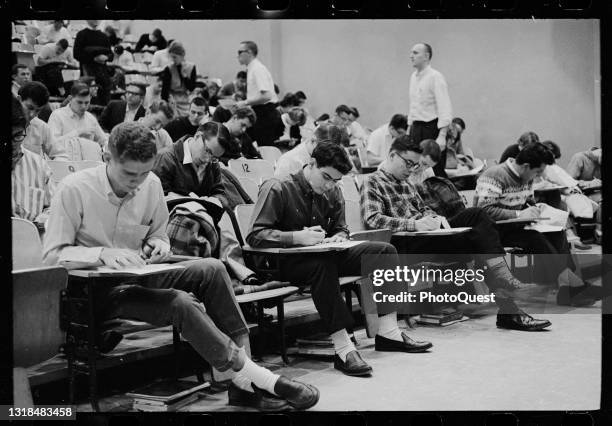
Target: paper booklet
{"type": "Point", "coordinates": [145, 270]}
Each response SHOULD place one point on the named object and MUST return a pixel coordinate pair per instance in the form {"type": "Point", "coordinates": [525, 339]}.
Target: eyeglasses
{"type": "Point", "coordinates": [409, 163]}
{"type": "Point", "coordinates": [19, 137]}
{"type": "Point", "coordinates": [328, 178]}
{"type": "Point", "coordinates": [242, 51]}
{"type": "Point", "coordinates": [133, 93]}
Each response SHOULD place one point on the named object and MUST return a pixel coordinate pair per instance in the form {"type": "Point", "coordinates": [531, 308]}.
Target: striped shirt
{"type": "Point", "coordinates": [29, 186]}
{"type": "Point", "coordinates": [40, 141]}
{"type": "Point", "coordinates": [387, 202]}
{"type": "Point", "coordinates": [501, 193]}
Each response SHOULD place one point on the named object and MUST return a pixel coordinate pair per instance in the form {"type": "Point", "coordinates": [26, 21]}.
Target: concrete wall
{"type": "Point", "coordinates": [505, 76]}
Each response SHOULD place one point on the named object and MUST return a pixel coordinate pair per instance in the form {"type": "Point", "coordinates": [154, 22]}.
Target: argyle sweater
{"type": "Point", "coordinates": [500, 192]}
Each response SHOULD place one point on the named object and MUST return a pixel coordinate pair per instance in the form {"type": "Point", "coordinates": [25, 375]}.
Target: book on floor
{"type": "Point", "coordinates": [316, 350]}
{"type": "Point", "coordinates": [167, 391]}
{"type": "Point", "coordinates": [146, 405]}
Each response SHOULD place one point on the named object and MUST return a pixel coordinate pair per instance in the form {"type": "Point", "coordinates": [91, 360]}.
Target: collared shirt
{"type": "Point", "coordinates": [429, 97]}
{"type": "Point", "coordinates": [50, 35]}
{"type": "Point", "coordinates": [188, 159]}
{"type": "Point", "coordinates": [49, 53]}
{"type": "Point", "coordinates": [29, 186]}
{"type": "Point", "coordinates": [356, 131]}
{"type": "Point", "coordinates": [292, 161]}
{"type": "Point", "coordinates": [379, 141]}
{"type": "Point", "coordinates": [66, 124]}
{"type": "Point", "coordinates": [289, 204]}
{"type": "Point", "coordinates": [161, 59]}
{"type": "Point", "coordinates": [387, 202]}
{"type": "Point", "coordinates": [130, 114]}
{"type": "Point", "coordinates": [259, 79]}
{"type": "Point", "coordinates": [87, 216]}
{"type": "Point", "coordinates": [40, 140]}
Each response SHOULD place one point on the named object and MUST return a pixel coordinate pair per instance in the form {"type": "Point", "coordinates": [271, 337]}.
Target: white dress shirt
{"type": "Point", "coordinates": [49, 53]}
{"type": "Point", "coordinates": [292, 161]}
{"type": "Point", "coordinates": [65, 124]}
{"type": "Point", "coordinates": [259, 80]}
{"type": "Point", "coordinates": [379, 141]}
{"type": "Point", "coordinates": [50, 35]}
{"type": "Point", "coordinates": [429, 97]}
{"type": "Point", "coordinates": [87, 216]}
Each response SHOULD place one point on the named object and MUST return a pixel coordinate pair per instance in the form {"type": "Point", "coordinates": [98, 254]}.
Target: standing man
{"type": "Point", "coordinates": [430, 106]}
{"type": "Point", "coordinates": [92, 49]}
{"type": "Point", "coordinates": [260, 95]}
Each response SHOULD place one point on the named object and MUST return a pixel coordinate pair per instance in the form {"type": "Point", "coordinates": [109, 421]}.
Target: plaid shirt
{"type": "Point", "coordinates": [390, 203]}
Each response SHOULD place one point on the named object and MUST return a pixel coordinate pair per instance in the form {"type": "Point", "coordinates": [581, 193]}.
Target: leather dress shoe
{"type": "Point", "coordinates": [574, 296]}
{"type": "Point", "coordinates": [300, 396]}
{"type": "Point", "coordinates": [521, 321]}
{"type": "Point", "coordinates": [353, 366]}
{"type": "Point", "coordinates": [384, 344]}
{"type": "Point", "coordinates": [259, 399]}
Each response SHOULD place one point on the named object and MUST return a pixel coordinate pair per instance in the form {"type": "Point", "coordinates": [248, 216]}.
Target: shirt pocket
{"type": "Point", "coordinates": [130, 236]}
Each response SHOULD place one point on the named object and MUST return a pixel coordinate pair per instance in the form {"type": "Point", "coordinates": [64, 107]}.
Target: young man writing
{"type": "Point", "coordinates": [115, 215]}
{"type": "Point", "coordinates": [307, 208]}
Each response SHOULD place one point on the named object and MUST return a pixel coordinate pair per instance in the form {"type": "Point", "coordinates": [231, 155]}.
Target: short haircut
{"type": "Point", "coordinates": [405, 143]}
{"type": "Point", "coordinates": [328, 132]}
{"type": "Point", "coordinates": [430, 147]}
{"type": "Point", "coordinates": [322, 117]}
{"type": "Point", "coordinates": [289, 100]}
{"type": "Point", "coordinates": [36, 92]}
{"type": "Point", "coordinates": [355, 112]}
{"type": "Point", "coordinates": [132, 141]}
{"type": "Point", "coordinates": [527, 138]}
{"type": "Point", "coordinates": [162, 106]}
{"type": "Point", "coordinates": [142, 87]}
{"type": "Point", "coordinates": [157, 32]}
{"type": "Point", "coordinates": [18, 117]}
{"type": "Point", "coordinates": [199, 101]}
{"type": "Point", "coordinates": [212, 128]}
{"type": "Point", "coordinates": [241, 75]}
{"type": "Point", "coordinates": [297, 115]}
{"type": "Point", "coordinates": [245, 112]}
{"type": "Point", "coordinates": [252, 46]}
{"type": "Point", "coordinates": [177, 48]}
{"type": "Point", "coordinates": [63, 43]}
{"type": "Point", "coordinates": [79, 89]}
{"type": "Point", "coordinates": [460, 122]}
{"type": "Point", "coordinates": [399, 121]}
{"type": "Point", "coordinates": [554, 148]}
{"type": "Point", "coordinates": [535, 154]}
{"type": "Point", "coordinates": [343, 108]}
{"type": "Point", "coordinates": [300, 95]}
{"type": "Point", "coordinates": [15, 69]}
{"type": "Point", "coordinates": [329, 154]}
{"type": "Point", "coordinates": [428, 49]}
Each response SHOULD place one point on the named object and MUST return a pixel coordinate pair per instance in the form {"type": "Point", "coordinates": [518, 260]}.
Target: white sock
{"type": "Point", "coordinates": [260, 376]}
{"type": "Point", "coordinates": [242, 382]}
{"type": "Point", "coordinates": [342, 343]}
{"type": "Point", "coordinates": [387, 327]}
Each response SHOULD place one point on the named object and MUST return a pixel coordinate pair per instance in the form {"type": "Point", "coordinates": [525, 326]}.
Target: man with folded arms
{"type": "Point", "coordinates": [307, 208]}
{"type": "Point", "coordinates": [115, 215]}
{"type": "Point", "coordinates": [389, 200]}
{"type": "Point", "coordinates": [505, 191]}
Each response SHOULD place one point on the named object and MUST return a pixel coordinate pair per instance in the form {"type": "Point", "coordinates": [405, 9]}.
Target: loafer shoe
{"type": "Point", "coordinates": [353, 366]}
{"type": "Point", "coordinates": [259, 399]}
{"type": "Point", "coordinates": [384, 344]}
{"type": "Point", "coordinates": [300, 396]}
{"type": "Point", "coordinates": [521, 321]}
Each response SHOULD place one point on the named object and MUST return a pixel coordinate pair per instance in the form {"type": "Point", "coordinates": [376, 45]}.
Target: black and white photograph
{"type": "Point", "coordinates": [296, 214]}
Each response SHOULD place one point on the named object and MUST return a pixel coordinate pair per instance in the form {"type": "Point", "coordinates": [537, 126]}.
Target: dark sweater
{"type": "Point", "coordinates": [510, 152]}
{"type": "Point", "coordinates": [90, 43]}
{"type": "Point", "coordinates": [145, 41]}
{"type": "Point", "coordinates": [180, 127]}
{"type": "Point", "coordinates": [183, 179]}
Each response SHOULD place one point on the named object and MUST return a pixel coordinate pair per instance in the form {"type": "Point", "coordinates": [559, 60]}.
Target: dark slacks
{"type": "Point", "coordinates": [421, 130]}
{"type": "Point", "coordinates": [102, 75]}
{"type": "Point", "coordinates": [264, 131]}
{"type": "Point", "coordinates": [551, 251]}
{"type": "Point", "coordinates": [198, 300]}
{"type": "Point", "coordinates": [51, 76]}
{"type": "Point", "coordinates": [321, 272]}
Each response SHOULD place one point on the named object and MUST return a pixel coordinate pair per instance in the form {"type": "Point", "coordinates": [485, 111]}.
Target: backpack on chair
{"type": "Point", "coordinates": [441, 196]}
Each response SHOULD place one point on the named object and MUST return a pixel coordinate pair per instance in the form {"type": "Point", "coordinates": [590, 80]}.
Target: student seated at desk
{"type": "Point", "coordinates": [430, 155]}
{"type": "Point", "coordinates": [119, 111]}
{"type": "Point", "coordinates": [505, 191]}
{"type": "Point", "coordinates": [241, 119]}
{"type": "Point", "coordinates": [389, 200]}
{"type": "Point", "coordinates": [114, 215]}
{"type": "Point", "coordinates": [307, 208]}
{"type": "Point", "coordinates": [39, 138]}
{"type": "Point", "coordinates": [158, 115]}
{"type": "Point", "coordinates": [20, 75]}
{"type": "Point", "coordinates": [52, 58]}
{"type": "Point", "coordinates": [380, 140]}
{"type": "Point", "coordinates": [74, 119]}
{"type": "Point", "coordinates": [30, 173]}
{"type": "Point", "coordinates": [197, 114]}
{"type": "Point", "coordinates": [586, 166]}
{"type": "Point", "coordinates": [513, 150]}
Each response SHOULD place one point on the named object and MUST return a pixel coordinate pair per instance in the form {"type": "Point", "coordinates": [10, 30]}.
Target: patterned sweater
{"type": "Point", "coordinates": [500, 192]}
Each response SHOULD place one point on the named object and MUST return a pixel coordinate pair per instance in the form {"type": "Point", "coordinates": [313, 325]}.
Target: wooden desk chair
{"type": "Point", "coordinates": [61, 169]}
{"type": "Point", "coordinates": [27, 247]}
{"type": "Point", "coordinates": [349, 188]}
{"type": "Point", "coordinates": [270, 153]}
{"type": "Point", "coordinates": [258, 170]}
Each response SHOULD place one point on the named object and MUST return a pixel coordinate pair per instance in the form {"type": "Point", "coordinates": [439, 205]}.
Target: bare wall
{"type": "Point", "coordinates": [505, 76]}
